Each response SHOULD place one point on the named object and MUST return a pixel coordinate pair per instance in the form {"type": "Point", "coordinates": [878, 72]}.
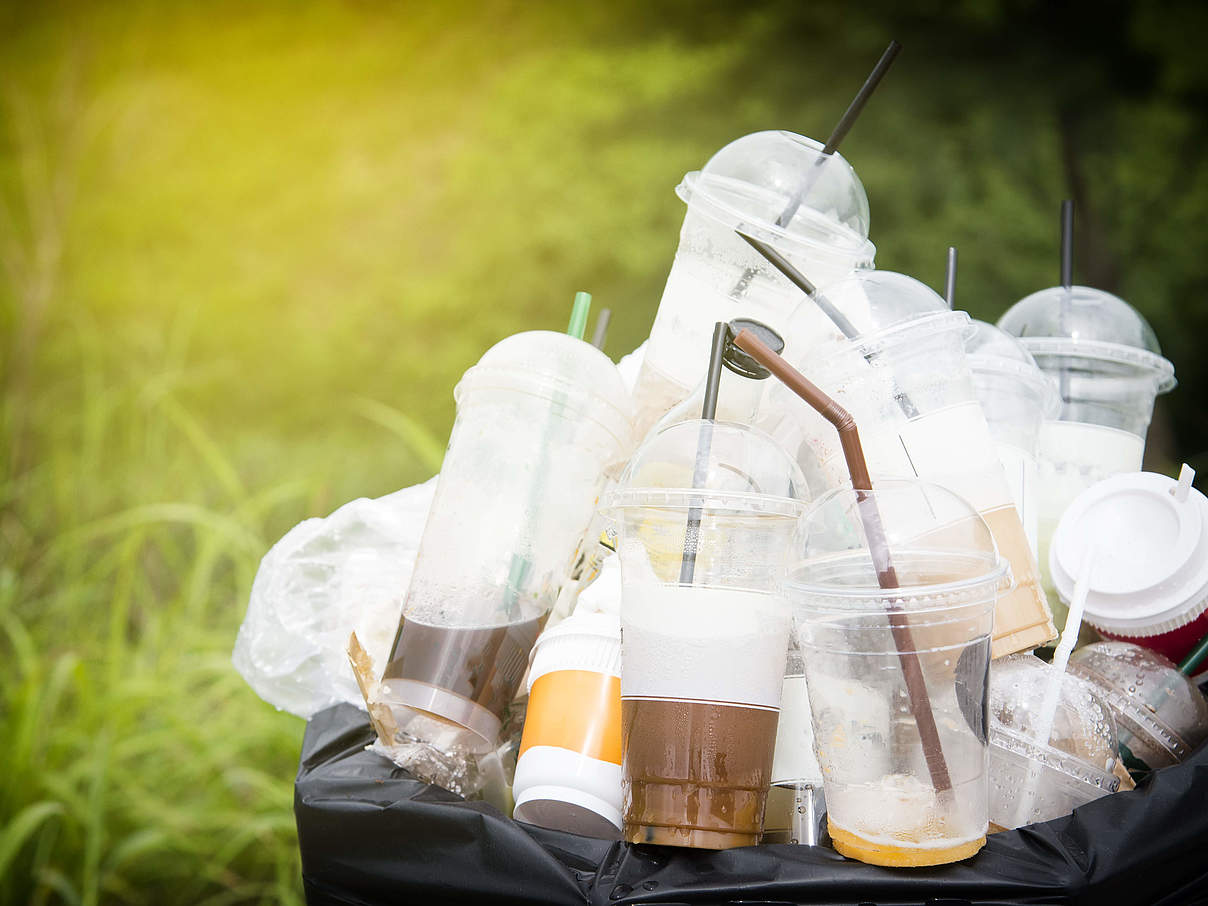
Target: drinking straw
{"type": "Point", "coordinates": [840, 131]}
{"type": "Point", "coordinates": [878, 544]}
{"type": "Point", "coordinates": [827, 307]}
{"type": "Point", "coordinates": [950, 278]}
{"type": "Point", "coordinates": [1061, 659]}
{"type": "Point", "coordinates": [1188, 665]}
{"type": "Point", "coordinates": [601, 331]}
{"type": "Point", "coordinates": [578, 315]}
{"type": "Point", "coordinates": [519, 569]}
{"type": "Point", "coordinates": [704, 442]}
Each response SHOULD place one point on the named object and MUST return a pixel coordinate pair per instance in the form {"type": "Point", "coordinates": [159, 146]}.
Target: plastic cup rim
{"type": "Point", "coordinates": [1161, 368]}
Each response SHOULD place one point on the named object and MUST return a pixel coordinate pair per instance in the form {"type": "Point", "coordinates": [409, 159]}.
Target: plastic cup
{"type": "Point", "coordinates": [1016, 397]}
{"type": "Point", "coordinates": [1161, 716]}
{"type": "Point", "coordinates": [568, 775]}
{"type": "Point", "coordinates": [1150, 583]}
{"type": "Point", "coordinates": [884, 805]}
{"type": "Point", "coordinates": [703, 662]}
{"type": "Point", "coordinates": [796, 799]}
{"type": "Point", "coordinates": [1038, 779]}
{"type": "Point", "coordinates": [1109, 368]}
{"type": "Point", "coordinates": [716, 276]}
{"type": "Point", "coordinates": [538, 419]}
{"type": "Point", "coordinates": [910, 389]}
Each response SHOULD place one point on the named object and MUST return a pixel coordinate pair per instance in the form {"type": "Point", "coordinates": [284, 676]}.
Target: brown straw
{"type": "Point", "coordinates": [887, 577]}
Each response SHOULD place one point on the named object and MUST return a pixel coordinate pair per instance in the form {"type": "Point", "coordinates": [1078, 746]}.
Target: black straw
{"type": "Point", "coordinates": [853, 109]}
{"type": "Point", "coordinates": [804, 284]}
{"type": "Point", "coordinates": [1067, 243]}
{"type": "Point", "coordinates": [700, 472]}
{"type": "Point", "coordinates": [950, 279]}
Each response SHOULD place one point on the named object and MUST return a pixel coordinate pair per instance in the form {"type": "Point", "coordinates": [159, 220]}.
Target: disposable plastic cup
{"type": "Point", "coordinates": [1108, 367]}
{"type": "Point", "coordinates": [751, 183]}
{"type": "Point", "coordinates": [1016, 397]}
{"type": "Point", "coordinates": [1161, 716]}
{"type": "Point", "coordinates": [568, 774]}
{"type": "Point", "coordinates": [1150, 581]}
{"type": "Point", "coordinates": [887, 802]}
{"type": "Point", "coordinates": [538, 419]}
{"type": "Point", "coordinates": [703, 659]}
{"type": "Point", "coordinates": [796, 799]}
{"type": "Point", "coordinates": [910, 389]}
{"type": "Point", "coordinates": [1037, 777]}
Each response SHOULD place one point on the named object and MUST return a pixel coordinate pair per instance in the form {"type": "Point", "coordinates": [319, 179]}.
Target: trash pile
{"type": "Point", "coordinates": [785, 582]}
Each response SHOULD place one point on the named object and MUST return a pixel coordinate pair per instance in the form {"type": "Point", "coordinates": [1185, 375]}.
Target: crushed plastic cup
{"type": "Point", "coordinates": [752, 183]}
{"type": "Point", "coordinates": [539, 418]}
{"type": "Point", "coordinates": [887, 801]}
{"type": "Point", "coordinates": [1016, 397]}
{"type": "Point", "coordinates": [1150, 584]}
{"type": "Point", "coordinates": [910, 389]}
{"type": "Point", "coordinates": [568, 775]}
{"type": "Point", "coordinates": [1161, 716]}
{"type": "Point", "coordinates": [1108, 367]}
{"type": "Point", "coordinates": [1034, 778]}
{"type": "Point", "coordinates": [703, 661]}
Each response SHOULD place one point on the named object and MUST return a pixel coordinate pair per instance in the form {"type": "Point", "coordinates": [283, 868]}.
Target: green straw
{"type": "Point", "coordinates": [578, 315]}
{"type": "Point", "coordinates": [1196, 657]}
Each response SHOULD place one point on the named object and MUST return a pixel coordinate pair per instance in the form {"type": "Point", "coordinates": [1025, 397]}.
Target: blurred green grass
{"type": "Point", "coordinates": [247, 252]}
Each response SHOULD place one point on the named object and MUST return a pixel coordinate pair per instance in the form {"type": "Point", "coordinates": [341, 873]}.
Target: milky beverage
{"type": "Point", "coordinates": [698, 730]}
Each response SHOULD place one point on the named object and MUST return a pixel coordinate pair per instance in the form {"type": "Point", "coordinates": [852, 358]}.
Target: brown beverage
{"type": "Point", "coordinates": [695, 773]}
{"type": "Point", "coordinates": [465, 675]}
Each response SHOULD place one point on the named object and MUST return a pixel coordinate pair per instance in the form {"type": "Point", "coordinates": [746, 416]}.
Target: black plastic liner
{"type": "Point", "coordinates": [372, 834]}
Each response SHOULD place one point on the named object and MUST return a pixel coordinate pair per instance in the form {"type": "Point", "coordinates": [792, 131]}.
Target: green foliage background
{"type": "Point", "coordinates": [248, 249]}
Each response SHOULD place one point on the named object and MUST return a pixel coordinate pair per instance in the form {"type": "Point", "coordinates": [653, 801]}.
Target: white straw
{"type": "Point", "coordinates": [1183, 488]}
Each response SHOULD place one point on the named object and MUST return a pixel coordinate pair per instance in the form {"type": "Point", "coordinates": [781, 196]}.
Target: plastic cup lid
{"type": "Point", "coordinates": [1151, 567]}
{"type": "Point", "coordinates": [1099, 351]}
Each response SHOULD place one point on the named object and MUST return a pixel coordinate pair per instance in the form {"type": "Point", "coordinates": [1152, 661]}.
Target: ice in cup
{"type": "Point", "coordinates": [538, 419]}
{"type": "Point", "coordinates": [910, 388]}
{"type": "Point", "coordinates": [1161, 716]}
{"type": "Point", "coordinates": [1149, 582]}
{"type": "Point", "coordinates": [1016, 397]}
{"type": "Point", "coordinates": [707, 512]}
{"type": "Point", "coordinates": [1040, 770]}
{"type": "Point", "coordinates": [778, 187]}
{"type": "Point", "coordinates": [568, 774]}
{"type": "Point", "coordinates": [1108, 368]}
{"type": "Point", "coordinates": [904, 769]}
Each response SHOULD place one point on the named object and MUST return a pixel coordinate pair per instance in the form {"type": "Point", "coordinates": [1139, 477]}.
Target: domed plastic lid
{"type": "Point", "coordinates": [743, 471]}
{"type": "Point", "coordinates": [940, 548]}
{"type": "Point", "coordinates": [1085, 322]}
{"type": "Point", "coordinates": [559, 368]}
{"type": "Point", "coordinates": [995, 353]}
{"type": "Point", "coordinates": [1082, 738]}
{"type": "Point", "coordinates": [1151, 698]}
{"type": "Point", "coordinates": [780, 185]}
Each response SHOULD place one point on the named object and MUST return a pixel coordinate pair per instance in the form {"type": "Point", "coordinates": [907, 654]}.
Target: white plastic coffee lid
{"type": "Point", "coordinates": [583, 641]}
{"type": "Point", "coordinates": [1151, 535]}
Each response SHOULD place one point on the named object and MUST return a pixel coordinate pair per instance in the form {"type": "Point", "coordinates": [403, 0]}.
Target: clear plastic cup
{"type": "Point", "coordinates": [1149, 584]}
{"type": "Point", "coordinates": [888, 803]}
{"type": "Point", "coordinates": [1038, 776]}
{"type": "Point", "coordinates": [538, 419]}
{"type": "Point", "coordinates": [1161, 716]}
{"type": "Point", "coordinates": [568, 774]}
{"type": "Point", "coordinates": [910, 389]}
{"type": "Point", "coordinates": [1108, 368]}
{"type": "Point", "coordinates": [778, 187]}
{"type": "Point", "coordinates": [1016, 397]}
{"type": "Point", "coordinates": [703, 656]}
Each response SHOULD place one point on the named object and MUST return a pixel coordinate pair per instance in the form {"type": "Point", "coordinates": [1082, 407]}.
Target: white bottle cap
{"type": "Point", "coordinates": [1151, 575]}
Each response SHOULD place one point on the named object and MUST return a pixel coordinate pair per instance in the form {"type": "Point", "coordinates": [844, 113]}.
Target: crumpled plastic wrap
{"type": "Point", "coordinates": [324, 580]}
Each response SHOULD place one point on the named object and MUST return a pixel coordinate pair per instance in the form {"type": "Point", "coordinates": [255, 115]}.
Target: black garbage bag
{"type": "Point", "coordinates": [372, 834]}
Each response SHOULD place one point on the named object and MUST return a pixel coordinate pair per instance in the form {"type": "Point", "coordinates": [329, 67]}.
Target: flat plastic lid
{"type": "Point", "coordinates": [1148, 691]}
{"type": "Point", "coordinates": [781, 182]}
{"type": "Point", "coordinates": [995, 353]}
{"type": "Point", "coordinates": [941, 549]}
{"type": "Point", "coordinates": [1083, 322]}
{"type": "Point", "coordinates": [1082, 740]}
{"type": "Point", "coordinates": [559, 368]}
{"type": "Point", "coordinates": [1151, 563]}
{"type": "Point", "coordinates": [744, 471]}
